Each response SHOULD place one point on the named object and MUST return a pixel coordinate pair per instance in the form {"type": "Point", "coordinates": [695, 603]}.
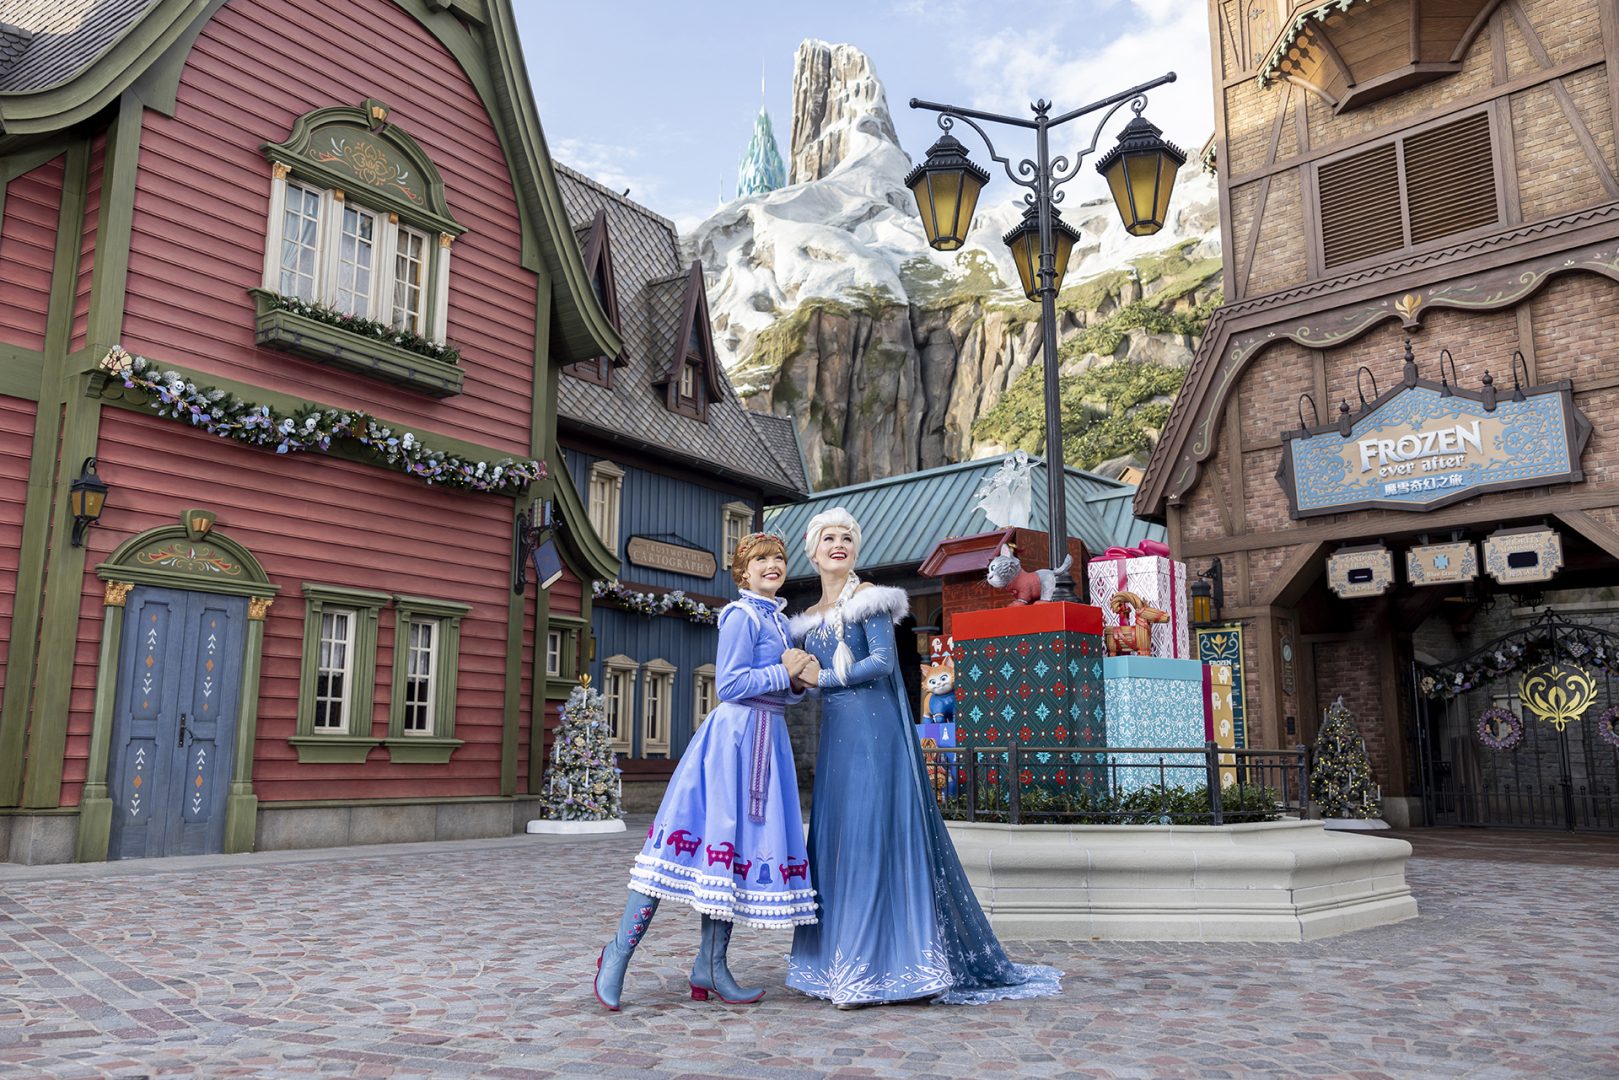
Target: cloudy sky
{"type": "Point", "coordinates": [660, 97]}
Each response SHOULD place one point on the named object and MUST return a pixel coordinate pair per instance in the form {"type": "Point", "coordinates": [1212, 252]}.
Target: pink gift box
{"type": "Point", "coordinates": [1160, 581]}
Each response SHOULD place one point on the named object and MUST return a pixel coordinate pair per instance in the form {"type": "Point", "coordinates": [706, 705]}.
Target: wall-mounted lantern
{"type": "Point", "coordinates": [1208, 595]}
{"type": "Point", "coordinates": [87, 496]}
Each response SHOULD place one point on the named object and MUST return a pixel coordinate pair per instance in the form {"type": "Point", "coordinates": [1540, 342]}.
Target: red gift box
{"type": "Point", "coordinates": [1028, 619]}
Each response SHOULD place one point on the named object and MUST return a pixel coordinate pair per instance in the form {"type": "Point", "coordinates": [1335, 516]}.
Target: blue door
{"type": "Point", "coordinates": [174, 722]}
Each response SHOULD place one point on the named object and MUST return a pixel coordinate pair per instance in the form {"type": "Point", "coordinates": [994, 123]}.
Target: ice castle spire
{"type": "Point", "coordinates": [761, 169]}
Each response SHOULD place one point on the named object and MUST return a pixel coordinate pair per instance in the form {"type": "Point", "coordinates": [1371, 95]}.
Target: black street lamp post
{"type": "Point", "coordinates": [1140, 172]}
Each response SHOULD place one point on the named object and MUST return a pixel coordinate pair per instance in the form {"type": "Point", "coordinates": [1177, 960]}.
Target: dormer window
{"type": "Point", "coordinates": [598, 258]}
{"type": "Point", "coordinates": [691, 379]}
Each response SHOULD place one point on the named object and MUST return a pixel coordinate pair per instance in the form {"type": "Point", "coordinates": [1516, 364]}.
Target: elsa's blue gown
{"type": "Point", "coordinates": [898, 918]}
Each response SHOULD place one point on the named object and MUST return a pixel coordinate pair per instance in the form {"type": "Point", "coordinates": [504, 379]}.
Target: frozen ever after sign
{"type": "Point", "coordinates": [1424, 445]}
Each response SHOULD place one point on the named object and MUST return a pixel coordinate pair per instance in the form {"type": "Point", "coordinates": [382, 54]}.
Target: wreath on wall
{"type": "Point", "coordinates": [1503, 721]}
{"type": "Point", "coordinates": [1605, 726]}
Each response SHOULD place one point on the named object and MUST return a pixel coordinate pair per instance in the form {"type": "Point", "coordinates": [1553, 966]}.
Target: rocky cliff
{"type": "Point", "coordinates": [829, 306]}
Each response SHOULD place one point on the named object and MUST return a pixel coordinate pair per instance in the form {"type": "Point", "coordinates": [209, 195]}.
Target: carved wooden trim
{"type": "Point", "coordinates": [258, 607]}
{"type": "Point", "coordinates": [117, 593]}
{"type": "Point", "coordinates": [1189, 434]}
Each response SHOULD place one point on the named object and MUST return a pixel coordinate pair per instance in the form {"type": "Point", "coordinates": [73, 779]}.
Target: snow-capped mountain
{"type": "Point", "coordinates": [829, 305]}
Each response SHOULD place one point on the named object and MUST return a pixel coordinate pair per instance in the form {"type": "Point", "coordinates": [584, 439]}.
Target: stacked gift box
{"type": "Point", "coordinates": [1154, 701]}
{"type": "Point", "coordinates": [1031, 676]}
{"type": "Point", "coordinates": [1142, 589]}
{"type": "Point", "coordinates": [1156, 694]}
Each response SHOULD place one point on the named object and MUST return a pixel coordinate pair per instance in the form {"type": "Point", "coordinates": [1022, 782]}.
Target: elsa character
{"type": "Point", "coordinates": [898, 919]}
{"type": "Point", "coordinates": [733, 798]}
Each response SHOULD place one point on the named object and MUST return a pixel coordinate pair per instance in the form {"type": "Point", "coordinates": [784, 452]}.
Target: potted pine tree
{"type": "Point", "coordinates": [1341, 785]}
{"type": "Point", "coordinates": [582, 788]}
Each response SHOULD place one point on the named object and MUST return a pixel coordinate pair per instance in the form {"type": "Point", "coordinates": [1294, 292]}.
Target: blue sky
{"type": "Point", "coordinates": [659, 97]}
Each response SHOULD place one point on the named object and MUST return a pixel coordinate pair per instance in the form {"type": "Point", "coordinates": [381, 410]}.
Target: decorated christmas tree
{"type": "Point", "coordinates": [582, 781]}
{"type": "Point", "coordinates": [1341, 783]}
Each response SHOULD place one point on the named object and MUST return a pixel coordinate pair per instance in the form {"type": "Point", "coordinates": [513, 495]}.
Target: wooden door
{"type": "Point", "coordinates": [174, 722]}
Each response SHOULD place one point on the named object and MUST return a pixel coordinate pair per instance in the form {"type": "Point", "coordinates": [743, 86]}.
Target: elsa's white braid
{"type": "Point", "coordinates": [843, 656]}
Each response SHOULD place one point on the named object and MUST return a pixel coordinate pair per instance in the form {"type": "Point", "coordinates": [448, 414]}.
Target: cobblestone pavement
{"type": "Point", "coordinates": [472, 960]}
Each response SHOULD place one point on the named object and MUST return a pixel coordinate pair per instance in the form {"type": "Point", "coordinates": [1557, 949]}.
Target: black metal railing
{"type": "Point", "coordinates": [1130, 785]}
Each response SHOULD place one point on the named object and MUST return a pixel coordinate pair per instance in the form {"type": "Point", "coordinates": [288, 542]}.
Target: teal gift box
{"type": "Point", "coordinates": [1154, 701]}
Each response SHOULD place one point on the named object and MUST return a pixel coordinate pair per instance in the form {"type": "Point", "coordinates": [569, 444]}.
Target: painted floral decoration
{"type": "Point", "coordinates": [1499, 729]}
{"type": "Point", "coordinates": [1605, 726]}
{"type": "Point", "coordinates": [220, 413]}
{"type": "Point", "coordinates": [650, 604]}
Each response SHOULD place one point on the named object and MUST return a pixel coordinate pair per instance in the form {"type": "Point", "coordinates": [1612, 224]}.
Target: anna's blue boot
{"type": "Point", "coordinates": [709, 975]}
{"type": "Point", "coordinates": [615, 955]}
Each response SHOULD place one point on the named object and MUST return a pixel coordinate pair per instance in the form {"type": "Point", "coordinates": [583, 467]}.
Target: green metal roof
{"type": "Point", "coordinates": [902, 517]}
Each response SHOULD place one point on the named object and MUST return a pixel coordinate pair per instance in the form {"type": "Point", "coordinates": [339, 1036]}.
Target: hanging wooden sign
{"type": "Point", "coordinates": [675, 558]}
{"type": "Point", "coordinates": [1426, 445]}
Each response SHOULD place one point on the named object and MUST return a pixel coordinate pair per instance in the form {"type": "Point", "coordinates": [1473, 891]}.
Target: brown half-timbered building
{"type": "Point", "coordinates": [1443, 172]}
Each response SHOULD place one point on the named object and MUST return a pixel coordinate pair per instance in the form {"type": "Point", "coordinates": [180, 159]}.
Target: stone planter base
{"type": "Point", "coordinates": [576, 828]}
{"type": "Point", "coordinates": [1268, 881]}
{"type": "Point", "coordinates": [1354, 824]}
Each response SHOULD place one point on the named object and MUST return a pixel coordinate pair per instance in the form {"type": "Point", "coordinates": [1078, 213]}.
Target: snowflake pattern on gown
{"type": "Point", "coordinates": [898, 918]}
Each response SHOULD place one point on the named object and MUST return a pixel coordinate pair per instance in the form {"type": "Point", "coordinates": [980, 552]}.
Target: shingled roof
{"type": "Point", "coordinates": [58, 37]}
{"type": "Point", "coordinates": [651, 282]}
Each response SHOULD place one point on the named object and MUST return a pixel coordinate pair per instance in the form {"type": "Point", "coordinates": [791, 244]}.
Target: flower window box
{"type": "Point", "coordinates": [278, 327]}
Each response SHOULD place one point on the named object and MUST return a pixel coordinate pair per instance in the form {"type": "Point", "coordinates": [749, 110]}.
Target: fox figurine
{"type": "Point", "coordinates": [939, 691]}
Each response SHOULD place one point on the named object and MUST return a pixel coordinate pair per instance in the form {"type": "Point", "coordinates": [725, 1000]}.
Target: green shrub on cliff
{"type": "Point", "coordinates": [1110, 411]}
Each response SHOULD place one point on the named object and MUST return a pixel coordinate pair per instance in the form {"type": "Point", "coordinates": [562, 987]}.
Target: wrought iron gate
{"type": "Point", "coordinates": [1555, 776]}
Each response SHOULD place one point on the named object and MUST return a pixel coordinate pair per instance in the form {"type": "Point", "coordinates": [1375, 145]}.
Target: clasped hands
{"type": "Point", "coordinates": [802, 668]}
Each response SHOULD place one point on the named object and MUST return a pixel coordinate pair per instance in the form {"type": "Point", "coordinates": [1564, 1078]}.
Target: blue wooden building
{"type": "Point", "coordinates": [673, 470]}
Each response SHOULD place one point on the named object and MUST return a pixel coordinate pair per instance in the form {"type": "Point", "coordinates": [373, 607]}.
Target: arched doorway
{"type": "Point", "coordinates": [176, 710]}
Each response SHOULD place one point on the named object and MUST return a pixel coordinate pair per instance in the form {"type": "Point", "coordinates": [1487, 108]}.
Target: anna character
{"type": "Point", "coordinates": [733, 798]}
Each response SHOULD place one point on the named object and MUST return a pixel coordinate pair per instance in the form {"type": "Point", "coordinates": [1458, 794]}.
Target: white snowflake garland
{"type": "Point", "coordinates": [170, 394]}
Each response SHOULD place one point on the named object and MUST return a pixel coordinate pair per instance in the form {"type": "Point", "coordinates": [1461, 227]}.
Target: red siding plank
{"type": "Point", "coordinates": [27, 250]}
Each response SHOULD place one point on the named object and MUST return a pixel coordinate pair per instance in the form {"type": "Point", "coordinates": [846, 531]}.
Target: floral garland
{"type": "Point", "coordinates": [1591, 650]}
{"type": "Point", "coordinates": [408, 340]}
{"type": "Point", "coordinates": [1605, 726]}
{"type": "Point", "coordinates": [1492, 720]}
{"type": "Point", "coordinates": [310, 428]}
{"type": "Point", "coordinates": [651, 605]}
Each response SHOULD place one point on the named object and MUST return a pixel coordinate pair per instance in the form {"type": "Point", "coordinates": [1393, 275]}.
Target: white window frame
{"type": "Point", "coordinates": [606, 495]}
{"type": "Point", "coordinates": [657, 705]}
{"type": "Point", "coordinates": [618, 700]}
{"type": "Point", "coordinates": [344, 699]}
{"type": "Point", "coordinates": [553, 654]}
{"type": "Point", "coordinates": [400, 314]}
{"type": "Point", "coordinates": [705, 695]}
{"type": "Point", "coordinates": [428, 679]}
{"type": "Point", "coordinates": [433, 312]}
{"type": "Point", "coordinates": [738, 519]}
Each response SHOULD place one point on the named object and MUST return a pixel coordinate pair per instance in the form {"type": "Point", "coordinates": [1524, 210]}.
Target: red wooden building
{"type": "Point", "coordinates": [297, 277]}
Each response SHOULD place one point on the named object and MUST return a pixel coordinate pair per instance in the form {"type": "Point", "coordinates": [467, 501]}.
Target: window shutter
{"type": "Point", "coordinates": [1450, 179]}
{"type": "Point", "coordinates": [1360, 206]}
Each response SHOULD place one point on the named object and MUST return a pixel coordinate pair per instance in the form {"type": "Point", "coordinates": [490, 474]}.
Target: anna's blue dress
{"type": "Point", "coordinates": [728, 838]}
{"type": "Point", "coordinates": [898, 918]}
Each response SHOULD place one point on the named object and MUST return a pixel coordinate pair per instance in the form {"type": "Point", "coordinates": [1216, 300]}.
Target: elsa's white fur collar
{"type": "Point", "coordinates": [862, 605]}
